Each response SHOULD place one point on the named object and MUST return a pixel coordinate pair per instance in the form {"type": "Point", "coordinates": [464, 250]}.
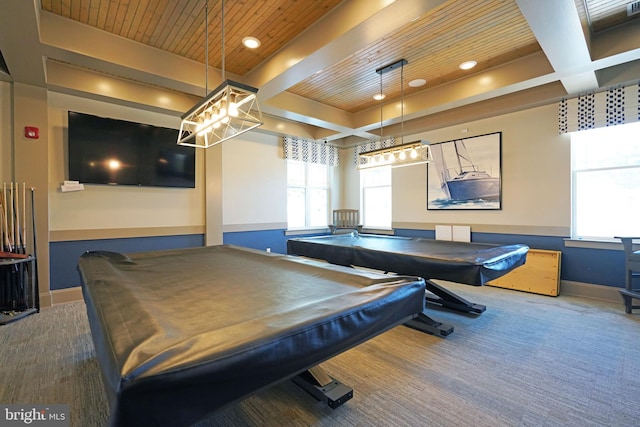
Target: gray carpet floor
{"type": "Point", "coordinates": [529, 360]}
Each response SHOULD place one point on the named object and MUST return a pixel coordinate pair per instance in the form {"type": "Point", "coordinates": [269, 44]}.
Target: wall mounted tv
{"type": "Point", "coordinates": [110, 151]}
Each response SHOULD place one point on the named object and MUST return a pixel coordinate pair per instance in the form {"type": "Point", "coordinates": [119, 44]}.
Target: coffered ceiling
{"type": "Point", "coordinates": [316, 66]}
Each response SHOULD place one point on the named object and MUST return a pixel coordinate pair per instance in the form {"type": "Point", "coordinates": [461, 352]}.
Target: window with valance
{"type": "Point", "coordinates": [615, 106]}
{"type": "Point", "coordinates": [605, 162]}
{"type": "Point", "coordinates": [308, 151]}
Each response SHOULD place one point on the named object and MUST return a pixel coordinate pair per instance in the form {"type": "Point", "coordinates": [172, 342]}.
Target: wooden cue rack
{"type": "Point", "coordinates": [19, 294]}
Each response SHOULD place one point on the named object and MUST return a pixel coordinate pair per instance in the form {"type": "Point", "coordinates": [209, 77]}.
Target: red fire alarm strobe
{"type": "Point", "coordinates": [31, 132]}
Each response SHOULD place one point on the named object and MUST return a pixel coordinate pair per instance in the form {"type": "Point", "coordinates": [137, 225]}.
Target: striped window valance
{"type": "Point", "coordinates": [371, 146]}
{"type": "Point", "coordinates": [307, 151]}
{"type": "Point", "coordinates": [615, 106]}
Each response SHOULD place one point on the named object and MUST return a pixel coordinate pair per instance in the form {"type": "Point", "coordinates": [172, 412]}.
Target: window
{"type": "Point", "coordinates": [307, 195]}
{"type": "Point", "coordinates": [375, 186]}
{"type": "Point", "coordinates": [606, 182]}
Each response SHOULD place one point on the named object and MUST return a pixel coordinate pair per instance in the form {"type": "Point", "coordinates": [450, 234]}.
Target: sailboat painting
{"type": "Point", "coordinates": [466, 173]}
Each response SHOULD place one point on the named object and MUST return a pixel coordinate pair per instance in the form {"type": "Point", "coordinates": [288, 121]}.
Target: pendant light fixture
{"type": "Point", "coordinates": [412, 153]}
{"type": "Point", "coordinates": [228, 111]}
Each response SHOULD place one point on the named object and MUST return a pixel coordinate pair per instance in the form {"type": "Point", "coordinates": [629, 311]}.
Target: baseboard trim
{"type": "Point", "coordinates": [45, 299]}
{"type": "Point", "coordinates": [591, 291]}
{"type": "Point", "coordinates": [61, 296]}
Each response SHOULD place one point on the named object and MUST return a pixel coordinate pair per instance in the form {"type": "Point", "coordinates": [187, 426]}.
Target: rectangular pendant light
{"type": "Point", "coordinates": [228, 111]}
{"type": "Point", "coordinates": [412, 153]}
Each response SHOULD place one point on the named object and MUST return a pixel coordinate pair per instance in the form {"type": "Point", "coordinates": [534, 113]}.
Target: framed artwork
{"type": "Point", "coordinates": [466, 174]}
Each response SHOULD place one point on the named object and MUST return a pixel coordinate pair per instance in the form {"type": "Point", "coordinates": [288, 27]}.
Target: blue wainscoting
{"type": "Point", "coordinates": [64, 256]}
{"type": "Point", "coordinates": [595, 266]}
{"type": "Point", "coordinates": [260, 239]}
{"type": "Point", "coordinates": [276, 240]}
{"type": "Point", "coordinates": [585, 265]}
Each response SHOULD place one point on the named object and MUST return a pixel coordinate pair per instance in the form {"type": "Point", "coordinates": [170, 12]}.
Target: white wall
{"type": "Point", "coordinates": [6, 133]}
{"type": "Point", "coordinates": [350, 184]}
{"type": "Point", "coordinates": [254, 183]}
{"type": "Point", "coordinates": [115, 207]}
{"type": "Point", "coordinates": [536, 177]}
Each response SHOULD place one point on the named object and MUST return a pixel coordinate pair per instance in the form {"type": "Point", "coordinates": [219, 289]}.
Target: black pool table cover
{"type": "Point", "coordinates": [461, 262]}
{"type": "Point", "coordinates": [181, 333]}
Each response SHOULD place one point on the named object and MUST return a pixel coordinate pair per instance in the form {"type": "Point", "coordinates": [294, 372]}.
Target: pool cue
{"type": "Point", "coordinates": [23, 292]}
{"type": "Point", "coordinates": [14, 286]}
{"type": "Point", "coordinates": [2, 196]}
{"type": "Point", "coordinates": [13, 218]}
{"type": "Point", "coordinates": [19, 239]}
{"type": "Point", "coordinates": [10, 218]}
{"type": "Point", "coordinates": [3, 200]}
{"type": "Point", "coordinates": [1, 227]}
{"type": "Point", "coordinates": [2, 231]}
{"type": "Point", "coordinates": [7, 243]}
{"type": "Point", "coordinates": [24, 216]}
{"type": "Point", "coordinates": [4, 292]}
{"type": "Point", "coordinates": [36, 297]}
{"type": "Point", "coordinates": [7, 218]}
{"type": "Point", "coordinates": [18, 213]}
{"type": "Point", "coordinates": [12, 239]}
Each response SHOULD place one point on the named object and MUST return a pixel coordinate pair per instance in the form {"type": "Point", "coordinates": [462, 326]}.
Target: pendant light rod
{"type": "Point", "coordinates": [206, 47]}
{"type": "Point", "coordinates": [402, 102]}
{"type": "Point", "coordinates": [381, 99]}
{"type": "Point", "coordinates": [395, 155]}
{"type": "Point", "coordinates": [223, 76]}
{"type": "Point", "coordinates": [383, 70]}
{"type": "Point", "coordinates": [393, 66]}
{"type": "Point", "coordinates": [227, 112]}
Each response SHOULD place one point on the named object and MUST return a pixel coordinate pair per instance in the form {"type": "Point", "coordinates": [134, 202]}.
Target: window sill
{"type": "Point", "coordinates": [301, 231]}
{"type": "Point", "coordinates": [385, 231]}
{"type": "Point", "coordinates": [593, 244]}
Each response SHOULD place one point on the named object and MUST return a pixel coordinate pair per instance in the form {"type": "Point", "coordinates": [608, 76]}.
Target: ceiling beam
{"type": "Point", "coordinates": [350, 27]}
{"type": "Point", "coordinates": [20, 42]}
{"type": "Point", "coordinates": [557, 28]}
{"type": "Point", "coordinates": [69, 41]}
{"type": "Point", "coordinates": [332, 123]}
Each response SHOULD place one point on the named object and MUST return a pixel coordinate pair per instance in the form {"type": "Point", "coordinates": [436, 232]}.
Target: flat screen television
{"type": "Point", "coordinates": [109, 151]}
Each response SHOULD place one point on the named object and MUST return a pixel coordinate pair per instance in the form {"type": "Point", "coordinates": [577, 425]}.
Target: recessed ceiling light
{"type": "Point", "coordinates": [417, 82]}
{"type": "Point", "coordinates": [379, 96]}
{"type": "Point", "coordinates": [251, 42]}
{"type": "Point", "coordinates": [467, 65]}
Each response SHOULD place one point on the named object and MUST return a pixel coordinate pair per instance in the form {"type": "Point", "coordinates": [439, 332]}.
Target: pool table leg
{"type": "Point", "coordinates": [324, 388]}
{"type": "Point", "coordinates": [424, 323]}
{"type": "Point", "coordinates": [448, 299]}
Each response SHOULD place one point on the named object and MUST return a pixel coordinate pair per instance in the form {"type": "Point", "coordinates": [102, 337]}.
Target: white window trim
{"type": "Point", "coordinates": [308, 228]}
{"type": "Point", "coordinates": [370, 228]}
{"type": "Point", "coordinates": [597, 242]}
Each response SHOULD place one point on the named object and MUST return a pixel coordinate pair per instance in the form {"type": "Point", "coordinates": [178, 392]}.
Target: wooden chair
{"type": "Point", "coordinates": [632, 271]}
{"type": "Point", "coordinates": [346, 219]}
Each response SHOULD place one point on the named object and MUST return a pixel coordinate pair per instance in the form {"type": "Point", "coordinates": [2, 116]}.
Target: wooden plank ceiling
{"type": "Point", "coordinates": [178, 26]}
{"type": "Point", "coordinates": [491, 32]}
